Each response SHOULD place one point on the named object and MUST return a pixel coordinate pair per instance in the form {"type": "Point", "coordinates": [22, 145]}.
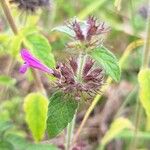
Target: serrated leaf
{"type": "Point", "coordinates": [35, 107]}
{"type": "Point", "coordinates": [108, 61]}
{"type": "Point", "coordinates": [41, 48]}
{"type": "Point", "coordinates": [61, 110]}
{"type": "Point", "coordinates": [5, 145]}
{"type": "Point", "coordinates": [116, 127]}
{"type": "Point", "coordinates": [6, 81]}
{"type": "Point", "coordinates": [144, 81]}
{"type": "Point", "coordinates": [64, 29]}
{"type": "Point", "coordinates": [67, 30]}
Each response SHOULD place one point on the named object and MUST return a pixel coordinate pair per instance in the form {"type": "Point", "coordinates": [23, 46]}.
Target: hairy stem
{"type": "Point", "coordinates": [70, 127]}
{"type": "Point", "coordinates": [124, 57]}
{"type": "Point", "coordinates": [13, 26]}
{"type": "Point", "coordinates": [70, 131]}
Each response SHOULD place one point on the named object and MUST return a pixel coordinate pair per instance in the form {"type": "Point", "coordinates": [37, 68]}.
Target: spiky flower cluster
{"type": "Point", "coordinates": [30, 5]}
{"type": "Point", "coordinates": [85, 84]}
{"type": "Point", "coordinates": [88, 32]}
{"type": "Point", "coordinates": [71, 77]}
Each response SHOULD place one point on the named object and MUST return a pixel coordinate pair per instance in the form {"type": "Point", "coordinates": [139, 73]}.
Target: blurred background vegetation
{"type": "Point", "coordinates": [127, 20]}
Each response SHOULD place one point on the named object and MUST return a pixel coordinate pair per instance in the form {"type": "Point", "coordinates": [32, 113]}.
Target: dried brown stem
{"type": "Point", "coordinates": [13, 26]}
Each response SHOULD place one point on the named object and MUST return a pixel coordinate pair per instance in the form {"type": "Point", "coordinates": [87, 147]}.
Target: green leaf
{"type": "Point", "coordinates": [64, 29]}
{"type": "Point", "coordinates": [108, 61]}
{"type": "Point", "coordinates": [144, 81]}
{"type": "Point", "coordinates": [18, 142]}
{"type": "Point", "coordinates": [6, 81]}
{"type": "Point", "coordinates": [35, 107]}
{"type": "Point", "coordinates": [69, 31]}
{"type": "Point", "coordinates": [28, 30]}
{"type": "Point", "coordinates": [21, 143]}
{"type": "Point", "coordinates": [4, 38]}
{"type": "Point", "coordinates": [4, 42]}
{"type": "Point", "coordinates": [4, 126]}
{"type": "Point", "coordinates": [5, 145]}
{"type": "Point", "coordinates": [15, 44]}
{"type": "Point", "coordinates": [61, 110]}
{"type": "Point", "coordinates": [41, 48]}
{"type": "Point", "coordinates": [116, 127]}
{"type": "Point", "coordinates": [32, 20]}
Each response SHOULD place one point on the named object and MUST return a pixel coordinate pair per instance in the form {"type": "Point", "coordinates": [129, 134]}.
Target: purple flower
{"type": "Point", "coordinates": [32, 62]}
{"type": "Point", "coordinates": [31, 5]}
{"type": "Point", "coordinates": [90, 28]}
{"type": "Point", "coordinates": [92, 78]}
{"type": "Point", "coordinates": [88, 34]}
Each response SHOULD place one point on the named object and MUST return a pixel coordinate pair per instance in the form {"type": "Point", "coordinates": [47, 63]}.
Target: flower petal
{"type": "Point", "coordinates": [24, 68]}
{"type": "Point", "coordinates": [34, 62]}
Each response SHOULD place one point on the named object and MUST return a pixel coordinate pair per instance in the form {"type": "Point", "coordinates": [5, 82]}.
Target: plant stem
{"type": "Point", "coordinates": [146, 52]}
{"type": "Point", "coordinates": [13, 26]}
{"type": "Point", "coordinates": [92, 106]}
{"type": "Point", "coordinates": [71, 126]}
{"type": "Point", "coordinates": [70, 131]}
{"type": "Point", "coordinates": [145, 63]}
{"type": "Point", "coordinates": [128, 98]}
{"type": "Point", "coordinates": [122, 61]}
{"type": "Point", "coordinates": [81, 61]}
{"type": "Point", "coordinates": [9, 17]}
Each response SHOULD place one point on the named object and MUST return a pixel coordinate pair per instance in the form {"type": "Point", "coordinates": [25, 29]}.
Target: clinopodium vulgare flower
{"type": "Point", "coordinates": [85, 84]}
{"type": "Point", "coordinates": [30, 5]}
{"type": "Point", "coordinates": [88, 32]}
{"type": "Point", "coordinates": [32, 62]}
{"type": "Point", "coordinates": [70, 78]}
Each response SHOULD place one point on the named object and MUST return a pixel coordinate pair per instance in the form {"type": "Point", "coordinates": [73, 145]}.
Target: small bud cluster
{"type": "Point", "coordinates": [67, 75]}
{"type": "Point", "coordinates": [30, 5]}
{"type": "Point", "coordinates": [89, 32]}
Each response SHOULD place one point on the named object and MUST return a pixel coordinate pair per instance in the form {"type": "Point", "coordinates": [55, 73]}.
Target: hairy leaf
{"type": "Point", "coordinates": [64, 29]}
{"type": "Point", "coordinates": [35, 107]}
{"type": "Point", "coordinates": [61, 110]}
{"type": "Point", "coordinates": [108, 61]}
{"type": "Point", "coordinates": [41, 48]}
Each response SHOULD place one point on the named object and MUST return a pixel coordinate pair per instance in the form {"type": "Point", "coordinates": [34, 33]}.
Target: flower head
{"type": "Point", "coordinates": [85, 31]}
{"type": "Point", "coordinates": [30, 5]}
{"type": "Point", "coordinates": [67, 78]}
{"type": "Point", "coordinates": [32, 62]}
